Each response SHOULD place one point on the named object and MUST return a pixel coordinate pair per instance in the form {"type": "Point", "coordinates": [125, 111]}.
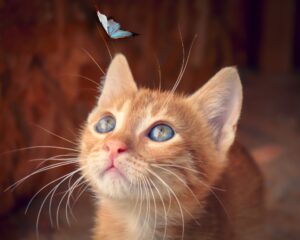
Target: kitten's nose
{"type": "Point", "coordinates": [114, 148]}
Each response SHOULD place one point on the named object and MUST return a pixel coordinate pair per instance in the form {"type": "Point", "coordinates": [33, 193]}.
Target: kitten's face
{"type": "Point", "coordinates": [136, 139]}
{"type": "Point", "coordinates": [136, 116]}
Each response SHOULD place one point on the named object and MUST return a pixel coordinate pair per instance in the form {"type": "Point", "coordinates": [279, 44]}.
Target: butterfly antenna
{"type": "Point", "coordinates": [96, 6]}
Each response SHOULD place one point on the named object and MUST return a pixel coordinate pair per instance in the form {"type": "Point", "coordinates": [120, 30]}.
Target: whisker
{"type": "Point", "coordinates": [80, 193]}
{"type": "Point", "coordinates": [137, 199]}
{"type": "Point", "coordinates": [70, 191]}
{"type": "Point", "coordinates": [54, 189]}
{"type": "Point", "coordinates": [177, 200]}
{"type": "Point", "coordinates": [178, 166]}
{"type": "Point", "coordinates": [209, 188]}
{"type": "Point", "coordinates": [164, 207]}
{"type": "Point", "coordinates": [16, 184]}
{"type": "Point", "coordinates": [57, 158]}
{"type": "Point", "coordinates": [180, 71]}
{"type": "Point", "coordinates": [186, 63]}
{"type": "Point", "coordinates": [183, 60]}
{"type": "Point", "coordinates": [41, 146]}
{"type": "Point", "coordinates": [105, 42]}
{"type": "Point", "coordinates": [84, 77]}
{"type": "Point", "coordinates": [155, 208]}
{"type": "Point", "coordinates": [180, 74]}
{"type": "Point", "coordinates": [141, 198]}
{"type": "Point", "coordinates": [91, 57]}
{"type": "Point", "coordinates": [54, 134]}
{"type": "Point", "coordinates": [147, 218]}
{"type": "Point", "coordinates": [181, 180]}
{"type": "Point", "coordinates": [159, 74]}
{"type": "Point", "coordinates": [44, 201]}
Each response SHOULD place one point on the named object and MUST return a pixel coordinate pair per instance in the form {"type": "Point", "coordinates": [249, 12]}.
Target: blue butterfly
{"type": "Point", "coordinates": [112, 28]}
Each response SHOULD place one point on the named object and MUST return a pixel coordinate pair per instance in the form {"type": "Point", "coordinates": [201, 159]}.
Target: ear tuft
{"type": "Point", "coordinates": [219, 101]}
{"type": "Point", "coordinates": [118, 80]}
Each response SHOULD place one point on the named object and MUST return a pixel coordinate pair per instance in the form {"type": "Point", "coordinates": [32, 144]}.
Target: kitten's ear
{"type": "Point", "coordinates": [220, 101]}
{"type": "Point", "coordinates": [118, 80]}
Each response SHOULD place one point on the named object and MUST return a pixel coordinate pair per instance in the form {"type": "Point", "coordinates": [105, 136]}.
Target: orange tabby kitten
{"type": "Point", "coordinates": [162, 164]}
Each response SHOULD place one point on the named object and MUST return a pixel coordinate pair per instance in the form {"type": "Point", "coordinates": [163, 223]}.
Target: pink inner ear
{"type": "Point", "coordinates": [223, 115]}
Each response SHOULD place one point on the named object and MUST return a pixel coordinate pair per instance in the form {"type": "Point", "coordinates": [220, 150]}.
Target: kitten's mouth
{"type": "Point", "coordinates": [115, 171]}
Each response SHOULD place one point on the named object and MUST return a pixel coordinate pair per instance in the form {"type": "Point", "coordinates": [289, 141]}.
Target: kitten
{"type": "Point", "coordinates": [162, 165]}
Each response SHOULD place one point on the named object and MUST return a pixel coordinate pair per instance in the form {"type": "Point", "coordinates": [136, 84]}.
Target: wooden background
{"type": "Point", "coordinates": [45, 46]}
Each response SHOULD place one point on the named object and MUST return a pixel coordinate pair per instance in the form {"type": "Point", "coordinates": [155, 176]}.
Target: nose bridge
{"type": "Point", "coordinates": [116, 146]}
{"type": "Point", "coordinates": [126, 131]}
{"type": "Point", "coordinates": [119, 136]}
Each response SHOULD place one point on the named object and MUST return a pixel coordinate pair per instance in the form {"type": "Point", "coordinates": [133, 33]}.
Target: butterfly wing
{"type": "Point", "coordinates": [103, 20]}
{"type": "Point", "coordinates": [121, 34]}
{"type": "Point", "coordinates": [112, 27]}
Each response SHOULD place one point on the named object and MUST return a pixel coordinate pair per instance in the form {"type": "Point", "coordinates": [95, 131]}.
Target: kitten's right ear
{"type": "Point", "coordinates": [118, 80]}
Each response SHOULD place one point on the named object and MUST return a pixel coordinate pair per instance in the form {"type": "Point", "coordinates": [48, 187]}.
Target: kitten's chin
{"type": "Point", "coordinates": [113, 184]}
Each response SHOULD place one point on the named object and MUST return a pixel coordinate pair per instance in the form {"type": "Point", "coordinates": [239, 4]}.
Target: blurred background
{"type": "Point", "coordinates": [49, 52]}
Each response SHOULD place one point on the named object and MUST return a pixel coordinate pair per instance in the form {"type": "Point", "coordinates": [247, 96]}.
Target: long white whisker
{"type": "Point", "coordinates": [181, 69]}
{"type": "Point", "coordinates": [155, 208]}
{"type": "Point", "coordinates": [106, 45]}
{"type": "Point", "coordinates": [71, 190]}
{"type": "Point", "coordinates": [183, 61]}
{"type": "Point", "coordinates": [147, 218]}
{"type": "Point", "coordinates": [93, 59]}
{"type": "Point", "coordinates": [187, 60]}
{"type": "Point", "coordinates": [84, 77]}
{"type": "Point", "coordinates": [178, 166]}
{"type": "Point", "coordinates": [173, 193]}
{"type": "Point", "coordinates": [181, 180]}
{"type": "Point", "coordinates": [58, 208]}
{"type": "Point", "coordinates": [57, 158]}
{"type": "Point", "coordinates": [141, 199]}
{"type": "Point", "coordinates": [216, 196]}
{"type": "Point", "coordinates": [56, 135]}
{"type": "Point", "coordinates": [137, 199]}
{"type": "Point", "coordinates": [28, 205]}
{"type": "Point", "coordinates": [54, 189]}
{"type": "Point", "coordinates": [41, 146]}
{"type": "Point", "coordinates": [159, 74]}
{"type": "Point", "coordinates": [44, 201]}
{"type": "Point", "coordinates": [52, 166]}
{"type": "Point", "coordinates": [164, 207]}
{"type": "Point", "coordinates": [180, 75]}
{"type": "Point", "coordinates": [81, 192]}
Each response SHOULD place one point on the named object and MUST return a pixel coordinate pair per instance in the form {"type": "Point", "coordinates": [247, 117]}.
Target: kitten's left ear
{"type": "Point", "coordinates": [118, 80]}
{"type": "Point", "coordinates": [219, 101]}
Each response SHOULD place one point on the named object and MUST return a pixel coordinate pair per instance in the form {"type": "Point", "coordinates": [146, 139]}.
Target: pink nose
{"type": "Point", "coordinates": [114, 148]}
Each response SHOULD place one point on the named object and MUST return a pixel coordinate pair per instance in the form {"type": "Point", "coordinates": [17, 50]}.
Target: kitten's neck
{"type": "Point", "coordinates": [157, 219]}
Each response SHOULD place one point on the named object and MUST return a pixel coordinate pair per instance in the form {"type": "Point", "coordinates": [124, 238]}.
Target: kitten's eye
{"type": "Point", "coordinates": [161, 133]}
{"type": "Point", "coordinates": [105, 124]}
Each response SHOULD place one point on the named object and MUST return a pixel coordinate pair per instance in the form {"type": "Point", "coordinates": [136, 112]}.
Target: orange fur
{"type": "Point", "coordinates": [189, 187]}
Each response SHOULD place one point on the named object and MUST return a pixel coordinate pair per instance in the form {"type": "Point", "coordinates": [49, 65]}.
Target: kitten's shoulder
{"type": "Point", "coordinates": [244, 194]}
{"type": "Point", "coordinates": [242, 165]}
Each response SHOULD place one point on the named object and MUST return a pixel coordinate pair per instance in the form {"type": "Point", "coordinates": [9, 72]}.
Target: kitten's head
{"type": "Point", "coordinates": [140, 138]}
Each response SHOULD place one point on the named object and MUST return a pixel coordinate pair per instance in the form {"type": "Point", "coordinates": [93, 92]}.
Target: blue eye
{"type": "Point", "coordinates": [161, 133]}
{"type": "Point", "coordinates": [105, 124]}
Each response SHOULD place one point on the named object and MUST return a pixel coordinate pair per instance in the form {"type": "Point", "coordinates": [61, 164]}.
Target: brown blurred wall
{"type": "Point", "coordinates": [45, 46]}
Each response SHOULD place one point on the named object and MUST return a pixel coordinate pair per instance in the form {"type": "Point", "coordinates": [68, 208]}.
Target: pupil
{"type": "Point", "coordinates": [161, 132]}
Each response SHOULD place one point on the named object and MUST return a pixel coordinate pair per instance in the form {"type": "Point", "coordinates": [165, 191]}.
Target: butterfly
{"type": "Point", "coordinates": [112, 28]}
